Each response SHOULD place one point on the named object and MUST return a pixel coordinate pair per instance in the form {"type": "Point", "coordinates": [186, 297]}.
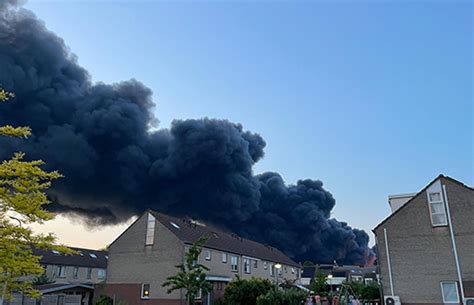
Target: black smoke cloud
{"type": "Point", "coordinates": [98, 136]}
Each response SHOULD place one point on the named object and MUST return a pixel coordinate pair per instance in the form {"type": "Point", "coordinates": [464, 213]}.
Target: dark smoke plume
{"type": "Point", "coordinates": [98, 136]}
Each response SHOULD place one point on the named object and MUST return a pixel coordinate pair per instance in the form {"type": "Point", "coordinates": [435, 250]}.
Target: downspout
{"type": "Point", "coordinates": [453, 240]}
{"type": "Point", "coordinates": [388, 262]}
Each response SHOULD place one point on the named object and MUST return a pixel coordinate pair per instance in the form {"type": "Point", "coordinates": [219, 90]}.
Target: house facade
{"type": "Point", "coordinates": [70, 279]}
{"type": "Point", "coordinates": [145, 255]}
{"type": "Point", "coordinates": [426, 246]}
{"type": "Point", "coordinates": [86, 266]}
{"type": "Point", "coordinates": [336, 275]}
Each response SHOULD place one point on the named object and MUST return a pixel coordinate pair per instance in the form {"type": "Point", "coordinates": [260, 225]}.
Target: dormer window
{"type": "Point", "coordinates": [92, 255]}
{"type": "Point", "coordinates": [150, 230]}
{"type": "Point", "coordinates": [437, 209]}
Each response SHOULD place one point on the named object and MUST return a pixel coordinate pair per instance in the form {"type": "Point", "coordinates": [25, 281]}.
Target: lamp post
{"type": "Point", "coordinates": [277, 272]}
{"type": "Point", "coordinates": [330, 281]}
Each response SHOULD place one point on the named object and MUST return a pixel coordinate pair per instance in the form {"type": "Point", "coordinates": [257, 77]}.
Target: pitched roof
{"type": "Point", "coordinates": [189, 231]}
{"type": "Point", "coordinates": [421, 192]}
{"type": "Point", "coordinates": [83, 258]}
{"type": "Point", "coordinates": [48, 288]}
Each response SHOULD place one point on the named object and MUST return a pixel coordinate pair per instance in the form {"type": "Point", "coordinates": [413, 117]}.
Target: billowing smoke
{"type": "Point", "coordinates": [98, 136]}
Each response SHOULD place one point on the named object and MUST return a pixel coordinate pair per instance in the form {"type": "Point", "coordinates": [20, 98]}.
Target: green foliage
{"type": "Point", "coordinates": [246, 292]}
{"type": "Point", "coordinates": [308, 264]}
{"type": "Point", "coordinates": [361, 291]}
{"type": "Point", "coordinates": [290, 296]}
{"type": "Point", "coordinates": [190, 276]}
{"type": "Point", "coordinates": [319, 284]}
{"type": "Point", "coordinates": [22, 200]}
{"type": "Point", "coordinates": [104, 300]}
{"type": "Point", "coordinates": [42, 280]}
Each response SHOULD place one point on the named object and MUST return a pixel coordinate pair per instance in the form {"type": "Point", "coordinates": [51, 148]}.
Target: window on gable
{"type": "Point", "coordinates": [437, 209]}
{"type": "Point", "coordinates": [450, 292]}
{"type": "Point", "coordinates": [145, 291]}
{"type": "Point", "coordinates": [208, 255]}
{"type": "Point", "coordinates": [150, 230]}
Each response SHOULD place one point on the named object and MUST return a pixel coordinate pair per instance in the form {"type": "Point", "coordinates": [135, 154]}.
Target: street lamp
{"type": "Point", "coordinates": [330, 281]}
{"type": "Point", "coordinates": [277, 273]}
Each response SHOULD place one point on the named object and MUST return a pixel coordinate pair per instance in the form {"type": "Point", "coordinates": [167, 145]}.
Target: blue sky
{"type": "Point", "coordinates": [372, 98]}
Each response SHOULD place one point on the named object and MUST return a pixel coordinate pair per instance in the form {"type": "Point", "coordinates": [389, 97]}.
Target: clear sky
{"type": "Point", "coordinates": [371, 97]}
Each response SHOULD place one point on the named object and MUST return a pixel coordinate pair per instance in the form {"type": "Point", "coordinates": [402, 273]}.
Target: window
{"type": "Point", "coordinates": [89, 273]}
{"type": "Point", "coordinates": [92, 255]}
{"type": "Point", "coordinates": [198, 295]}
{"type": "Point", "coordinates": [272, 270]}
{"type": "Point", "coordinates": [75, 272]}
{"type": "Point", "coordinates": [450, 292]}
{"type": "Point", "coordinates": [293, 270]}
{"type": "Point", "coordinates": [437, 210]}
{"type": "Point", "coordinates": [208, 255]}
{"type": "Point", "coordinates": [234, 263]}
{"type": "Point", "coordinates": [224, 258]}
{"type": "Point", "coordinates": [55, 252]}
{"type": "Point", "coordinates": [101, 274]}
{"type": "Point", "coordinates": [174, 225]}
{"type": "Point", "coordinates": [265, 267]}
{"type": "Point", "coordinates": [255, 264]}
{"type": "Point", "coordinates": [247, 265]}
{"type": "Point", "coordinates": [106, 257]}
{"type": "Point", "coordinates": [286, 270]}
{"type": "Point", "coordinates": [150, 230]}
{"type": "Point", "coordinates": [145, 291]}
{"type": "Point", "coordinates": [61, 271]}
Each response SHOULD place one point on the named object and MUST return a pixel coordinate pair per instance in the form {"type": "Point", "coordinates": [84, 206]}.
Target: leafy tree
{"type": "Point", "coordinates": [319, 283]}
{"type": "Point", "coordinates": [290, 296]}
{"type": "Point", "coordinates": [22, 201]}
{"type": "Point", "coordinates": [191, 275]}
{"type": "Point", "coordinates": [308, 264]}
{"type": "Point", "coordinates": [42, 280]}
{"type": "Point", "coordinates": [246, 292]}
{"type": "Point", "coordinates": [371, 291]}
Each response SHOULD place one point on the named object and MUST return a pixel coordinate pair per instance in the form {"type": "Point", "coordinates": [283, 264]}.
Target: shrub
{"type": "Point", "coordinates": [245, 292]}
{"type": "Point", "coordinates": [104, 300]}
{"type": "Point", "coordinates": [290, 296]}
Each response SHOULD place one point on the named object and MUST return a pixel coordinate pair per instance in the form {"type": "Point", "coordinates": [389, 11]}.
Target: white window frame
{"type": "Point", "coordinates": [293, 270]}
{"type": "Point", "coordinates": [247, 266]}
{"type": "Point", "coordinates": [142, 296]}
{"type": "Point", "coordinates": [198, 296]}
{"type": "Point", "coordinates": [101, 273]}
{"type": "Point", "coordinates": [208, 255]}
{"type": "Point", "coordinates": [265, 266]}
{"type": "Point", "coordinates": [150, 230]}
{"type": "Point", "coordinates": [75, 272]}
{"type": "Point", "coordinates": [61, 271]}
{"type": "Point", "coordinates": [440, 201]}
{"type": "Point", "coordinates": [272, 269]}
{"type": "Point", "coordinates": [224, 258]}
{"type": "Point", "coordinates": [234, 267]}
{"type": "Point", "coordinates": [457, 292]}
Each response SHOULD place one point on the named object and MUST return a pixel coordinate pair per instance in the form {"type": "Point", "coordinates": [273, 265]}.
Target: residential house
{"type": "Point", "coordinates": [71, 278]}
{"type": "Point", "coordinates": [426, 246]}
{"type": "Point", "coordinates": [146, 254]}
{"type": "Point", "coordinates": [336, 274]}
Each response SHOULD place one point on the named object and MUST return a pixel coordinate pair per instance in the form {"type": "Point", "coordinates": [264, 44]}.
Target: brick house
{"type": "Point", "coordinates": [146, 253]}
{"type": "Point", "coordinates": [426, 246]}
{"type": "Point", "coordinates": [72, 278]}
